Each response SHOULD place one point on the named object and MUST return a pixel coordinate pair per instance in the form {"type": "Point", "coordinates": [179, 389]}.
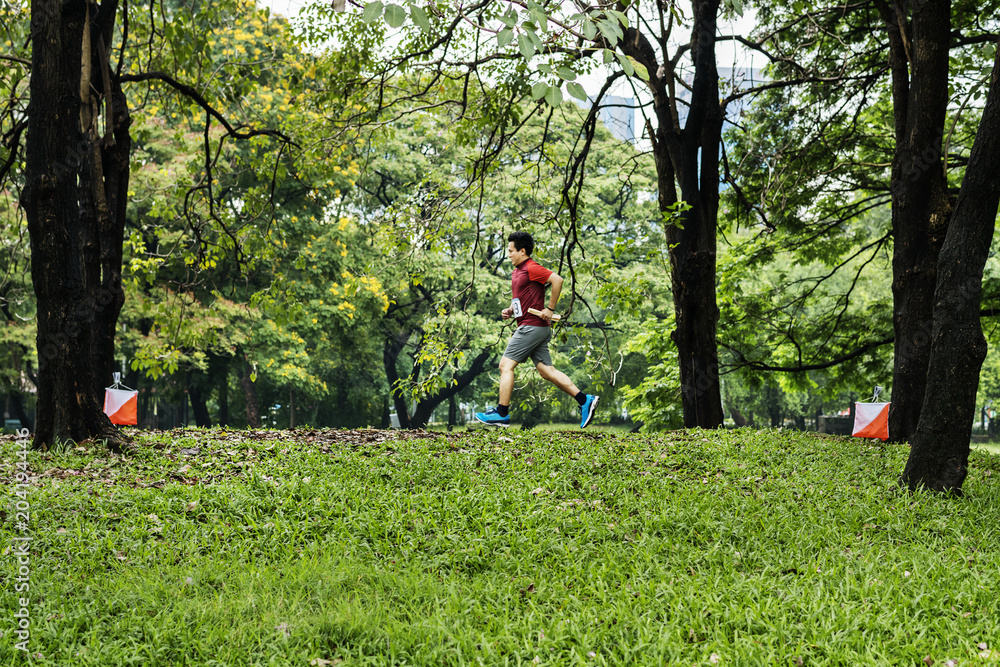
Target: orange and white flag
{"type": "Point", "coordinates": [871, 420]}
{"type": "Point", "coordinates": [121, 405]}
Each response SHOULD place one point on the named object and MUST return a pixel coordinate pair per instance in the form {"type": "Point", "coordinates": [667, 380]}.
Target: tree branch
{"type": "Point", "coordinates": [756, 365]}
{"type": "Point", "coordinates": [190, 92]}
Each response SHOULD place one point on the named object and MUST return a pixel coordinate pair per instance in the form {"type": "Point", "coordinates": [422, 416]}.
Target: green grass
{"type": "Point", "coordinates": [991, 447]}
{"type": "Point", "coordinates": [501, 547]}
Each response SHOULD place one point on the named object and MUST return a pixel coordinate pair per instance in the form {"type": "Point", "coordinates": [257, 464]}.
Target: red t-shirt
{"type": "Point", "coordinates": [528, 285]}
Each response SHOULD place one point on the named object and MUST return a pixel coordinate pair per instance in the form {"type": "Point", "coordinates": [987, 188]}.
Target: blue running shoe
{"type": "Point", "coordinates": [587, 410]}
{"type": "Point", "coordinates": [493, 418]}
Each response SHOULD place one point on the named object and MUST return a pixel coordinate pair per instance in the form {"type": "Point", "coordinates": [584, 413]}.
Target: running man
{"type": "Point", "coordinates": [531, 338]}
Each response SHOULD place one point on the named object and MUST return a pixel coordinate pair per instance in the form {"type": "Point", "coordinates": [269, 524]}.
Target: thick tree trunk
{"type": "Point", "coordinates": [939, 451]}
{"type": "Point", "coordinates": [689, 157]}
{"type": "Point", "coordinates": [74, 200]}
{"type": "Point", "coordinates": [693, 243]}
{"type": "Point", "coordinates": [920, 203]}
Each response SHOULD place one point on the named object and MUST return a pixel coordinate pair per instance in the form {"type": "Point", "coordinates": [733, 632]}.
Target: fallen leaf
{"type": "Point", "coordinates": [191, 505]}
{"type": "Point", "coordinates": [714, 658]}
{"type": "Point", "coordinates": [928, 661]}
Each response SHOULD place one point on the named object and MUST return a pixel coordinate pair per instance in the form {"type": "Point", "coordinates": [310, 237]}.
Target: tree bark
{"type": "Point", "coordinates": [224, 394]}
{"type": "Point", "coordinates": [394, 344]}
{"type": "Point", "coordinates": [199, 405]}
{"type": "Point", "coordinates": [18, 410]}
{"type": "Point", "coordinates": [689, 158]}
{"type": "Point", "coordinates": [249, 390]}
{"type": "Point", "coordinates": [939, 449]}
{"type": "Point", "coordinates": [74, 199]}
{"type": "Point", "coordinates": [921, 207]}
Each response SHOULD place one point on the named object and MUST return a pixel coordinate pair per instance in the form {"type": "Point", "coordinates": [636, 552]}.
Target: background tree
{"type": "Point", "coordinates": [820, 156]}
{"type": "Point", "coordinates": [74, 190]}
{"type": "Point", "coordinates": [939, 451]}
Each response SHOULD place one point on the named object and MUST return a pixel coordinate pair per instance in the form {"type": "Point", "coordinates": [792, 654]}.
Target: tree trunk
{"type": "Point", "coordinates": [74, 199]}
{"type": "Point", "coordinates": [198, 404]}
{"type": "Point", "coordinates": [689, 157]}
{"type": "Point", "coordinates": [425, 408]}
{"type": "Point", "coordinates": [921, 207]}
{"type": "Point", "coordinates": [390, 355]}
{"type": "Point", "coordinates": [249, 390]}
{"type": "Point", "coordinates": [16, 399]}
{"type": "Point", "coordinates": [224, 395]}
{"type": "Point", "coordinates": [939, 449]}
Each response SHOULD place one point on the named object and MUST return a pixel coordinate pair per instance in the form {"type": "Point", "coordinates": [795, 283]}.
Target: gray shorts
{"type": "Point", "coordinates": [528, 341]}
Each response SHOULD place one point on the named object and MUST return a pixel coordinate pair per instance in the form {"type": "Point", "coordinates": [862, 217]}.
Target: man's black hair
{"type": "Point", "coordinates": [522, 241]}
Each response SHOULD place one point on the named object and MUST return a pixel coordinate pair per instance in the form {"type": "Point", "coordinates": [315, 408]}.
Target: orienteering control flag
{"type": "Point", "coordinates": [871, 420]}
{"type": "Point", "coordinates": [121, 405]}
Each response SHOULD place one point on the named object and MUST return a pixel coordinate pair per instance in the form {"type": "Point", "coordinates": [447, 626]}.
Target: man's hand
{"type": "Point", "coordinates": [549, 317]}
{"type": "Point", "coordinates": [506, 313]}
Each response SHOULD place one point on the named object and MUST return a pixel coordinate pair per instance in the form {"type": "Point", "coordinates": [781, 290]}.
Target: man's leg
{"type": "Point", "coordinates": [550, 373]}
{"type": "Point", "coordinates": [587, 402]}
{"type": "Point", "coordinates": [499, 416]}
{"type": "Point", "coordinates": [507, 366]}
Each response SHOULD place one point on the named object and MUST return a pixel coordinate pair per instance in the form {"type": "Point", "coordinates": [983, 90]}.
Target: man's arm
{"type": "Point", "coordinates": [557, 282]}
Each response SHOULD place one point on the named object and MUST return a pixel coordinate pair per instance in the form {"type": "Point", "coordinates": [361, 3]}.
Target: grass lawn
{"type": "Point", "coordinates": [990, 447]}
{"type": "Point", "coordinates": [497, 547]}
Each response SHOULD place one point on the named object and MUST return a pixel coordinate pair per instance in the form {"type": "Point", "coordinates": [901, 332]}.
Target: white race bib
{"type": "Point", "coordinates": [515, 306]}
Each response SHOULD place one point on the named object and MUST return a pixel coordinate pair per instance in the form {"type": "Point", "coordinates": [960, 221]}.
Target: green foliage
{"type": "Point", "coordinates": [656, 400]}
{"type": "Point", "coordinates": [806, 319]}
{"type": "Point", "coordinates": [536, 39]}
